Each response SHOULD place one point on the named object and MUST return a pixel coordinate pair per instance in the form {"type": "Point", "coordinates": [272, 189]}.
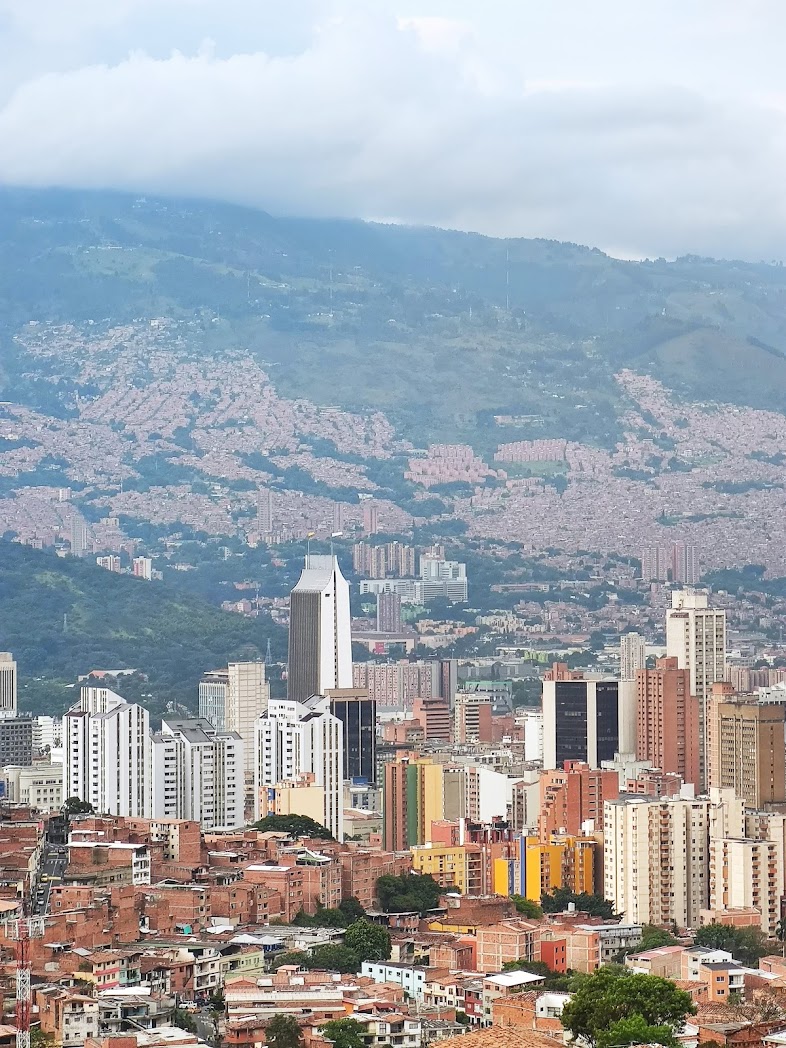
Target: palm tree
{"type": "Point", "coordinates": [780, 933]}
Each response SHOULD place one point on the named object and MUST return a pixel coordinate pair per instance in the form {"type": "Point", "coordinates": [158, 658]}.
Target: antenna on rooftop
{"type": "Point", "coordinates": [268, 654]}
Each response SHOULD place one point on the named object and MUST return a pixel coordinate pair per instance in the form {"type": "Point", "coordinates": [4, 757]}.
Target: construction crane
{"type": "Point", "coordinates": [21, 931]}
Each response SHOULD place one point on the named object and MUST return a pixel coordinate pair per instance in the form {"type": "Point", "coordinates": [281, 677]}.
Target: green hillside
{"type": "Point", "coordinates": [63, 617]}
{"type": "Point", "coordinates": [442, 330]}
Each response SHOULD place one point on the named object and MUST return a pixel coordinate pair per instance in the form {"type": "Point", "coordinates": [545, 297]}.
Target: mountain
{"type": "Point", "coordinates": [443, 331]}
{"type": "Point", "coordinates": [63, 617]}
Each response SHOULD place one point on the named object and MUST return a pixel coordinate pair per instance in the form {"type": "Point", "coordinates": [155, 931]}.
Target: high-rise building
{"type": "Point", "coordinates": [320, 636]}
{"type": "Point", "coordinates": [655, 859]}
{"type": "Point", "coordinates": [587, 720]}
{"type": "Point", "coordinates": [633, 655]}
{"type": "Point", "coordinates": [247, 697]}
{"type": "Point", "coordinates": [197, 774]}
{"type": "Point", "coordinates": [396, 685]}
{"type": "Point", "coordinates": [696, 637]}
{"type": "Point", "coordinates": [443, 578]}
{"type": "Point", "coordinates": [8, 684]}
{"type": "Point", "coordinates": [213, 690]}
{"type": "Point", "coordinates": [677, 563]}
{"type": "Point", "coordinates": [358, 715]}
{"type": "Point", "coordinates": [472, 717]}
{"type": "Point", "coordinates": [433, 714]}
{"type": "Point", "coordinates": [293, 739]}
{"type": "Point", "coordinates": [572, 796]}
{"type": "Point", "coordinates": [78, 537]}
{"type": "Point", "coordinates": [388, 613]}
{"type": "Point", "coordinates": [264, 511]}
{"type": "Point", "coordinates": [413, 799]}
{"type": "Point", "coordinates": [667, 720]}
{"type": "Point", "coordinates": [142, 568]}
{"type": "Point", "coordinates": [746, 748]}
{"type": "Point", "coordinates": [17, 744]}
{"type": "Point", "coordinates": [370, 519]}
{"type": "Point", "coordinates": [107, 754]}
{"type": "Point", "coordinates": [747, 874]}
{"type": "Point", "coordinates": [109, 563]}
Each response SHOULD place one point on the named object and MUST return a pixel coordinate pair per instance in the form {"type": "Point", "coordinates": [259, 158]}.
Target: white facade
{"type": "Point", "coordinates": [533, 735]}
{"type": "Point", "coordinates": [198, 774]}
{"type": "Point", "coordinates": [633, 655]}
{"type": "Point", "coordinates": [295, 738]}
{"type": "Point", "coordinates": [747, 873]}
{"type": "Point", "coordinates": [696, 637]}
{"type": "Point", "coordinates": [142, 568]}
{"type": "Point", "coordinates": [213, 690]}
{"type": "Point", "coordinates": [8, 684]}
{"type": "Point", "coordinates": [247, 697]}
{"type": "Point", "coordinates": [320, 634]}
{"type": "Point", "coordinates": [655, 859]}
{"type": "Point", "coordinates": [39, 785]}
{"type": "Point", "coordinates": [107, 754]}
{"type": "Point", "coordinates": [47, 733]}
{"type": "Point", "coordinates": [586, 712]}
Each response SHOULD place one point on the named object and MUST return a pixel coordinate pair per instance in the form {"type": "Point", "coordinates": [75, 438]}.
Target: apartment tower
{"type": "Point", "coordinates": [696, 637]}
{"type": "Point", "coordinates": [320, 637]}
{"type": "Point", "coordinates": [667, 720]}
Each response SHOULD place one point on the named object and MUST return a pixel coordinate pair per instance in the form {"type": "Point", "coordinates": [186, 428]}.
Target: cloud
{"type": "Point", "coordinates": [412, 116]}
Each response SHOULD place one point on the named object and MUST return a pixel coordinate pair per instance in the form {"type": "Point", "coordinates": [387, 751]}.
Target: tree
{"type": "Point", "coordinates": [652, 938]}
{"type": "Point", "coordinates": [613, 994]}
{"type": "Point", "coordinates": [290, 957]}
{"type": "Point", "coordinates": [636, 1030]}
{"type": "Point", "coordinates": [283, 1031]}
{"type": "Point", "coordinates": [333, 958]}
{"type": "Point", "coordinates": [184, 1020]}
{"type": "Point", "coordinates": [561, 898]}
{"type": "Point", "coordinates": [409, 893]}
{"type": "Point", "coordinates": [526, 907]}
{"type": "Point", "coordinates": [551, 980]}
{"type": "Point", "coordinates": [746, 945]}
{"type": "Point", "coordinates": [780, 933]}
{"type": "Point", "coordinates": [370, 942]}
{"type": "Point", "coordinates": [351, 909]}
{"type": "Point", "coordinates": [75, 806]}
{"type": "Point", "coordinates": [40, 1039]}
{"type": "Point", "coordinates": [295, 825]}
{"type": "Point", "coordinates": [344, 1033]}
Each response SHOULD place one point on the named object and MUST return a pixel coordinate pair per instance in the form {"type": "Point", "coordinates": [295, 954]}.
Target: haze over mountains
{"type": "Point", "coordinates": [151, 346]}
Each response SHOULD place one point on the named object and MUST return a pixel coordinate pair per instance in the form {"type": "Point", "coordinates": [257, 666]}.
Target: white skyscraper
{"type": "Point", "coordinates": [294, 738]}
{"type": "Point", "coordinates": [633, 655]}
{"type": "Point", "coordinates": [696, 637]}
{"type": "Point", "coordinates": [7, 684]}
{"type": "Point", "coordinates": [107, 754]}
{"type": "Point", "coordinates": [197, 774]}
{"type": "Point", "coordinates": [320, 636]}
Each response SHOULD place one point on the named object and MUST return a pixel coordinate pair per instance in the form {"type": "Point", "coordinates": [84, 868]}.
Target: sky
{"type": "Point", "coordinates": [644, 128]}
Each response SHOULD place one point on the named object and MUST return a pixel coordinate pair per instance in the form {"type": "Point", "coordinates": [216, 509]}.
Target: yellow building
{"type": "Point", "coordinates": [562, 862]}
{"type": "Point", "coordinates": [459, 866]}
{"type": "Point", "coordinates": [301, 796]}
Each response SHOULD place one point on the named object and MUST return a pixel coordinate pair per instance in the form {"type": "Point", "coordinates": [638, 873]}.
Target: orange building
{"type": "Point", "coordinates": [667, 720]}
{"type": "Point", "coordinates": [571, 795]}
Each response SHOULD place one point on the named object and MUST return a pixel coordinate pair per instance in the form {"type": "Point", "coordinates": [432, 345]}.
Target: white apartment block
{"type": "Point", "coordinates": [747, 873]}
{"type": "Point", "coordinates": [655, 859]}
{"type": "Point", "coordinates": [633, 655]}
{"type": "Point", "coordinates": [197, 774]}
{"type": "Point", "coordinates": [696, 637]}
{"type": "Point", "coordinates": [107, 754]}
{"type": "Point", "coordinates": [8, 684]}
{"type": "Point", "coordinates": [294, 738]}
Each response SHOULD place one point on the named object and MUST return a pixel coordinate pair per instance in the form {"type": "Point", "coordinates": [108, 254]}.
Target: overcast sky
{"type": "Point", "coordinates": [645, 127]}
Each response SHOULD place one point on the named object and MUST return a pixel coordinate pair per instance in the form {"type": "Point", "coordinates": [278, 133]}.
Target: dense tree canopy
{"type": "Point", "coordinates": [296, 825]}
{"type": "Point", "coordinates": [283, 1031]}
{"type": "Point", "coordinates": [746, 945]}
{"type": "Point", "coordinates": [370, 942]}
{"type": "Point", "coordinates": [344, 1033]}
{"type": "Point", "coordinates": [559, 900]}
{"type": "Point", "coordinates": [408, 893]}
{"type": "Point", "coordinates": [614, 996]}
